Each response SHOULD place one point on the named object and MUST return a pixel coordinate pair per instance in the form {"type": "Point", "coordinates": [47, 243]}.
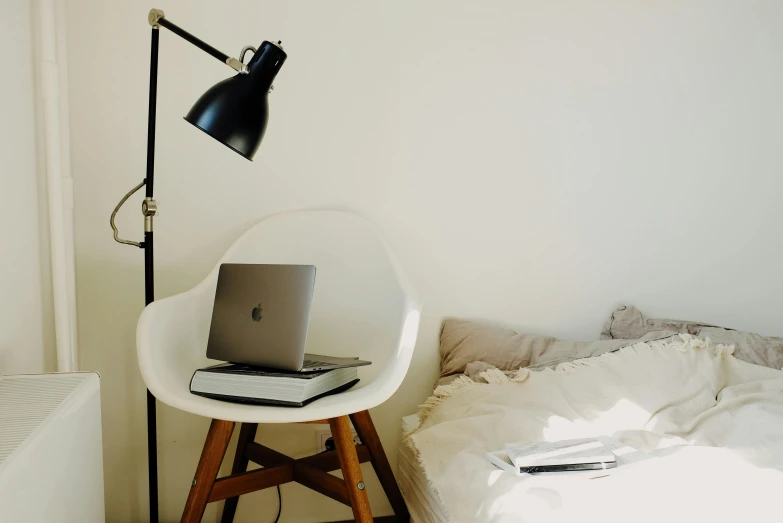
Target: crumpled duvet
{"type": "Point", "coordinates": [713, 424]}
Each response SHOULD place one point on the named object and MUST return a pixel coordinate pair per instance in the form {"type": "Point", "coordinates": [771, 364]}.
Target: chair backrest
{"type": "Point", "coordinates": [363, 305]}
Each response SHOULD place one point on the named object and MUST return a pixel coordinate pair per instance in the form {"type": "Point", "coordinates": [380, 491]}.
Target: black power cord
{"type": "Point", "coordinates": [279, 504]}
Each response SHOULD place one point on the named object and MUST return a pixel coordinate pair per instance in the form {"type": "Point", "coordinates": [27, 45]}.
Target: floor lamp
{"type": "Point", "coordinates": [234, 112]}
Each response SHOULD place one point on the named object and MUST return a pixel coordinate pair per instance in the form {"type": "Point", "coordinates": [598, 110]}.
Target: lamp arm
{"type": "Point", "coordinates": [114, 214]}
{"type": "Point", "coordinates": [157, 19]}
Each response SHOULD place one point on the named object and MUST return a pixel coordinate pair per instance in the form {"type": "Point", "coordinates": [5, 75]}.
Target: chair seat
{"type": "Point", "coordinates": [363, 306]}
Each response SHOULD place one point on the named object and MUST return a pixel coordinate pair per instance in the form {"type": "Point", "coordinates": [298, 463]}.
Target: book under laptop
{"type": "Point", "coordinates": [247, 384]}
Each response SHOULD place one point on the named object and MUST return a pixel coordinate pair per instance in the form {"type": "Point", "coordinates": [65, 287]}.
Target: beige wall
{"type": "Point", "coordinates": [26, 332]}
{"type": "Point", "coordinates": [535, 163]}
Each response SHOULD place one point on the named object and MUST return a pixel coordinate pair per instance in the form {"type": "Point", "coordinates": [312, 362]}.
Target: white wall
{"type": "Point", "coordinates": [26, 335]}
{"type": "Point", "coordinates": [535, 163]}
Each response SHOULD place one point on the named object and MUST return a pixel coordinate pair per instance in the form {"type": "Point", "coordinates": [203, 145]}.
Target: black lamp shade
{"type": "Point", "coordinates": [235, 111]}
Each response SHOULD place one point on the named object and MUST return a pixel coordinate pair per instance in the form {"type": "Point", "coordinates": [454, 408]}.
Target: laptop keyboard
{"type": "Point", "coordinates": [309, 364]}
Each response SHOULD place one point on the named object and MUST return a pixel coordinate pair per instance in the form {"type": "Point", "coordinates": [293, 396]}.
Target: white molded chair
{"type": "Point", "coordinates": [363, 306]}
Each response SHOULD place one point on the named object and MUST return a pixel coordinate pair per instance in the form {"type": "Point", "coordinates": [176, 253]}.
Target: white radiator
{"type": "Point", "coordinates": [51, 459]}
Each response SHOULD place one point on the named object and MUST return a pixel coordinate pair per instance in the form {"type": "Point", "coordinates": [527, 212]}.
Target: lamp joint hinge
{"type": "Point", "coordinates": [154, 16]}
{"type": "Point", "coordinates": [236, 65]}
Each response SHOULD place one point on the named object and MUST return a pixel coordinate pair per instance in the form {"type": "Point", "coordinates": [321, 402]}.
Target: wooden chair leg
{"type": "Point", "coordinates": [247, 434]}
{"type": "Point", "coordinates": [208, 466]}
{"type": "Point", "coordinates": [352, 473]}
{"type": "Point", "coordinates": [365, 428]}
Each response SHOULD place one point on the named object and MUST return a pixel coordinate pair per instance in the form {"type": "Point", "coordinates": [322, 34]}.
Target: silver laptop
{"type": "Point", "coordinates": [261, 315]}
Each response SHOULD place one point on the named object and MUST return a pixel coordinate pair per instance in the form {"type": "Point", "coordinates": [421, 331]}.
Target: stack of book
{"type": "Point", "coordinates": [259, 386]}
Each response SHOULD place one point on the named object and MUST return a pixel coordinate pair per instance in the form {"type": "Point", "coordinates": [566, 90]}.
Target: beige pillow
{"type": "Point", "coordinates": [627, 322]}
{"type": "Point", "coordinates": [464, 341]}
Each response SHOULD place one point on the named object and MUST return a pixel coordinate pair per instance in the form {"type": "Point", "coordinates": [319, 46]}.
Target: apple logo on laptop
{"type": "Point", "coordinates": [257, 312]}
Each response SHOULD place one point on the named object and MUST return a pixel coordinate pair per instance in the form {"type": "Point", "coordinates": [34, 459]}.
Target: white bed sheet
{"type": "Point", "coordinates": [422, 501]}
{"type": "Point", "coordinates": [713, 424]}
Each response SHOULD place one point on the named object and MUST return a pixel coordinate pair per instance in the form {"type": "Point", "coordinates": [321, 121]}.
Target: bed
{"type": "Point", "coordinates": [708, 413]}
{"type": "Point", "coordinates": [422, 500]}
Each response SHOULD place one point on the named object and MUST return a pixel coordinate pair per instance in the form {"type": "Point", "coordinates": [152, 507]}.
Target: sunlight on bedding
{"type": "Point", "coordinates": [624, 414]}
{"type": "Point", "coordinates": [689, 483]}
{"type": "Point", "coordinates": [494, 476]}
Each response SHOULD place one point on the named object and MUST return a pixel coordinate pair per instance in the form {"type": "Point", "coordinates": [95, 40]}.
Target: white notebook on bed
{"type": "Point", "coordinates": [585, 452]}
{"type": "Point", "coordinates": [530, 455]}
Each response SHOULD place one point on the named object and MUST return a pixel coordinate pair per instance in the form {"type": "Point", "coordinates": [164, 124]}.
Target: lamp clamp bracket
{"type": "Point", "coordinates": [149, 208]}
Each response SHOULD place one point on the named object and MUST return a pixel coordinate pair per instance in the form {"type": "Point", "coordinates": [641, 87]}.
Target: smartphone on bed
{"type": "Point", "coordinates": [567, 468]}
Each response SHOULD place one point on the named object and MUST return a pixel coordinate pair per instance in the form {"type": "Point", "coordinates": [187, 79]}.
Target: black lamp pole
{"type": "Point", "coordinates": [234, 112]}
{"type": "Point", "coordinates": [149, 268]}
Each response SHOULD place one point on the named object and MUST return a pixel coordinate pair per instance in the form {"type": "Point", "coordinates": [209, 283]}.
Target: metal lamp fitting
{"type": "Point", "coordinates": [154, 16]}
